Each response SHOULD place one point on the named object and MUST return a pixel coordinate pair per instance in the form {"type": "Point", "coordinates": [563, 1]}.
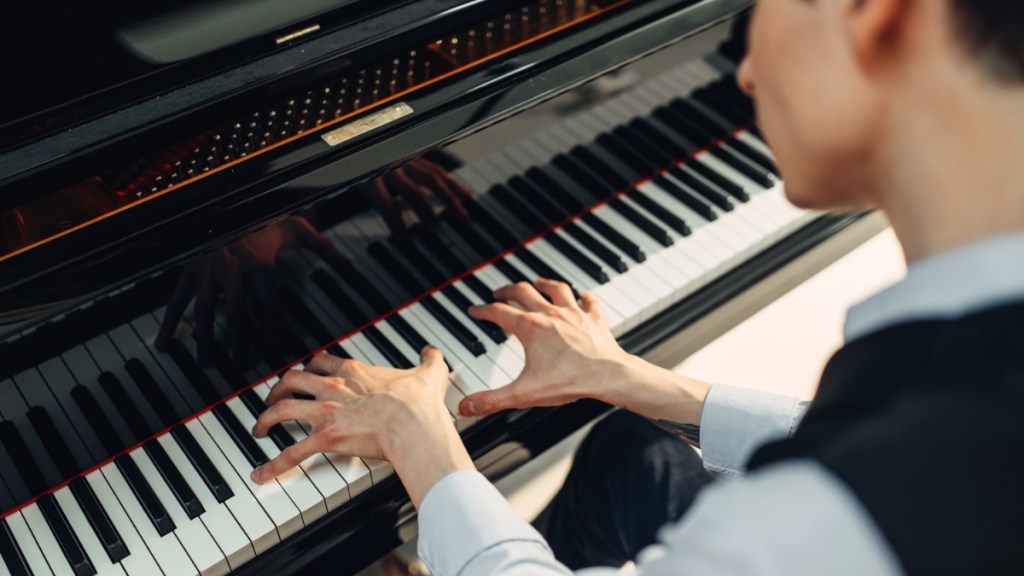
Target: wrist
{"type": "Point", "coordinates": [424, 451]}
{"type": "Point", "coordinates": [657, 393]}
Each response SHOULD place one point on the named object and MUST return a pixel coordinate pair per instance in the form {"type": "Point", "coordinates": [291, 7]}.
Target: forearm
{"type": "Point", "coordinates": [672, 401]}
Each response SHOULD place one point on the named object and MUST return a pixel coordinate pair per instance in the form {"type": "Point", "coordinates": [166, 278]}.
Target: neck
{"type": "Point", "coordinates": [956, 172]}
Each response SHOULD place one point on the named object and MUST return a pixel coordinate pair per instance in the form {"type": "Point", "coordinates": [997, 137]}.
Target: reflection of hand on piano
{"type": "Point", "coordinates": [243, 272]}
{"type": "Point", "coordinates": [369, 412]}
{"type": "Point", "coordinates": [570, 351]}
{"type": "Point", "coordinates": [417, 182]}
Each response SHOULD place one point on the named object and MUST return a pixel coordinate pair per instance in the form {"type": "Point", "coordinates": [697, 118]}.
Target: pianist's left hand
{"type": "Point", "coordinates": [370, 412]}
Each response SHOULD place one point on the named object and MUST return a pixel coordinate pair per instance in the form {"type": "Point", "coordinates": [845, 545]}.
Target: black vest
{"type": "Point", "coordinates": [924, 422]}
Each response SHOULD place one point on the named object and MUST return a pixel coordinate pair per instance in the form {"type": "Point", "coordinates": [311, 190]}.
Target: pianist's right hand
{"type": "Point", "coordinates": [572, 354]}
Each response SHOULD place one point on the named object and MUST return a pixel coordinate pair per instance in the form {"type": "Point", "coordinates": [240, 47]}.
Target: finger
{"type": "Point", "coordinates": [505, 316]}
{"type": "Point", "coordinates": [524, 294]}
{"type": "Point", "coordinates": [183, 293]}
{"type": "Point", "coordinates": [418, 196]}
{"type": "Point", "coordinates": [559, 292]}
{"type": "Point", "coordinates": [592, 306]}
{"type": "Point", "coordinates": [289, 458]}
{"type": "Point", "coordinates": [296, 382]}
{"type": "Point", "coordinates": [386, 206]}
{"type": "Point", "coordinates": [487, 403]}
{"type": "Point", "coordinates": [286, 410]}
{"type": "Point", "coordinates": [325, 364]}
{"type": "Point", "coordinates": [432, 360]}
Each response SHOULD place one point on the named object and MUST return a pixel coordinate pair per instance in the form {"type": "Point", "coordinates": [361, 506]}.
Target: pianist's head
{"type": "Point", "coordinates": [862, 98]}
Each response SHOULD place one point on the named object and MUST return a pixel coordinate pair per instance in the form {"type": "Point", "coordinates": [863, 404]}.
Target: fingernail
{"type": "Point", "coordinates": [470, 408]}
{"type": "Point", "coordinates": [255, 476]}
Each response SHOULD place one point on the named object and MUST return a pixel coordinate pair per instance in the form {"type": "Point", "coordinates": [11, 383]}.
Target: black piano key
{"type": "Point", "coordinates": [519, 207]}
{"type": "Point", "coordinates": [452, 325]}
{"type": "Point", "coordinates": [463, 303]}
{"type": "Point", "coordinates": [679, 108]}
{"type": "Point", "coordinates": [618, 151]}
{"type": "Point", "coordinates": [606, 231]}
{"type": "Point", "coordinates": [728, 88]}
{"type": "Point", "coordinates": [716, 178]}
{"type": "Point", "coordinates": [361, 286]}
{"type": "Point", "coordinates": [727, 110]}
{"type": "Point", "coordinates": [537, 199]}
{"type": "Point", "coordinates": [479, 288]}
{"type": "Point", "coordinates": [542, 187]}
{"type": "Point", "coordinates": [175, 481]}
{"type": "Point", "coordinates": [686, 198]}
{"type": "Point", "coordinates": [617, 175]}
{"type": "Point", "coordinates": [582, 180]}
{"type": "Point", "coordinates": [26, 466]}
{"type": "Point", "coordinates": [340, 352]}
{"type": "Point", "coordinates": [101, 525]}
{"type": "Point", "coordinates": [65, 536]}
{"type": "Point", "coordinates": [637, 143]}
{"type": "Point", "coordinates": [710, 194]}
{"type": "Point", "coordinates": [7, 501]}
{"type": "Point", "coordinates": [127, 409]}
{"type": "Point", "coordinates": [513, 273]}
{"type": "Point", "coordinates": [540, 267]}
{"type": "Point", "coordinates": [469, 235]}
{"type": "Point", "coordinates": [10, 553]}
{"type": "Point", "coordinates": [153, 392]}
{"type": "Point", "coordinates": [662, 137]}
{"type": "Point", "coordinates": [607, 255]}
{"type": "Point", "coordinates": [80, 489]}
{"type": "Point", "coordinates": [440, 250]}
{"type": "Point", "coordinates": [334, 292]}
{"type": "Point", "coordinates": [642, 222]}
{"type": "Point", "coordinates": [240, 436]}
{"type": "Point", "coordinates": [201, 462]}
{"type": "Point", "coordinates": [155, 511]}
{"type": "Point", "coordinates": [54, 443]}
{"type": "Point", "coordinates": [101, 425]}
{"type": "Point", "coordinates": [194, 374]}
{"type": "Point", "coordinates": [108, 536]}
{"type": "Point", "coordinates": [533, 222]}
{"type": "Point", "coordinates": [405, 279]}
{"type": "Point", "coordinates": [660, 212]}
{"type": "Point", "coordinates": [591, 268]}
{"type": "Point", "coordinates": [754, 155]}
{"type": "Point", "coordinates": [546, 181]}
{"type": "Point", "coordinates": [411, 336]}
{"type": "Point", "coordinates": [277, 434]}
{"type": "Point", "coordinates": [679, 116]}
{"type": "Point", "coordinates": [759, 175]}
{"type": "Point", "coordinates": [392, 354]}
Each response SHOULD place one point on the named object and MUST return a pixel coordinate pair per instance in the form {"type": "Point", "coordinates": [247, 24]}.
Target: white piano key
{"type": "Point", "coordinates": [352, 470]}
{"type": "Point", "coordinates": [26, 542]}
{"type": "Point", "coordinates": [271, 496]}
{"type": "Point", "coordinates": [464, 376]}
{"type": "Point", "coordinates": [193, 535]}
{"type": "Point", "coordinates": [167, 550]}
{"type": "Point", "coordinates": [247, 511]}
{"type": "Point", "coordinates": [302, 492]}
{"type": "Point", "coordinates": [48, 544]}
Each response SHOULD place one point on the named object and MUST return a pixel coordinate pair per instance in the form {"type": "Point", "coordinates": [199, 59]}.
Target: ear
{"type": "Point", "coordinates": [876, 28]}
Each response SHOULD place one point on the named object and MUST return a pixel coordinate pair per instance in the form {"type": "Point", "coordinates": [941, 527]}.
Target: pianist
{"type": "Point", "coordinates": [904, 462]}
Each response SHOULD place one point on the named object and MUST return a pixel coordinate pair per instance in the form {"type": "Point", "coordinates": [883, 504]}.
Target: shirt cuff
{"type": "Point", "coordinates": [737, 421]}
{"type": "Point", "coordinates": [463, 516]}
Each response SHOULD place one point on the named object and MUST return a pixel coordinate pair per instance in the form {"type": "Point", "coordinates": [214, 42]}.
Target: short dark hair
{"type": "Point", "coordinates": [994, 33]}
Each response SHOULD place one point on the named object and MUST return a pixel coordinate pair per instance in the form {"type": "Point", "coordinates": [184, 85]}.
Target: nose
{"type": "Point", "coordinates": [745, 77]}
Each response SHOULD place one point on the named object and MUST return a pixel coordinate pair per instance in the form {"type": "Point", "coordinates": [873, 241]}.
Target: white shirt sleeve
{"type": "Point", "coordinates": [792, 519]}
{"type": "Point", "coordinates": [736, 421]}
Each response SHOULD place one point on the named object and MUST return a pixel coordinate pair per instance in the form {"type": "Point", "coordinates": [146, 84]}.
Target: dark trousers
{"type": "Point", "coordinates": [628, 479]}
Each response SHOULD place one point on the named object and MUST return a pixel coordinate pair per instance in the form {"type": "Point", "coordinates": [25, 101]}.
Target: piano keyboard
{"type": "Point", "coordinates": [118, 459]}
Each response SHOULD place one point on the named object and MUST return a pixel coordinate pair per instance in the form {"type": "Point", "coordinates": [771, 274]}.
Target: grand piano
{"type": "Point", "coordinates": [348, 176]}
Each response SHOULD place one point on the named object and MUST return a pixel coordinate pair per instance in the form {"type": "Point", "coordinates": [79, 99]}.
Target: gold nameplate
{"type": "Point", "coordinates": [367, 123]}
